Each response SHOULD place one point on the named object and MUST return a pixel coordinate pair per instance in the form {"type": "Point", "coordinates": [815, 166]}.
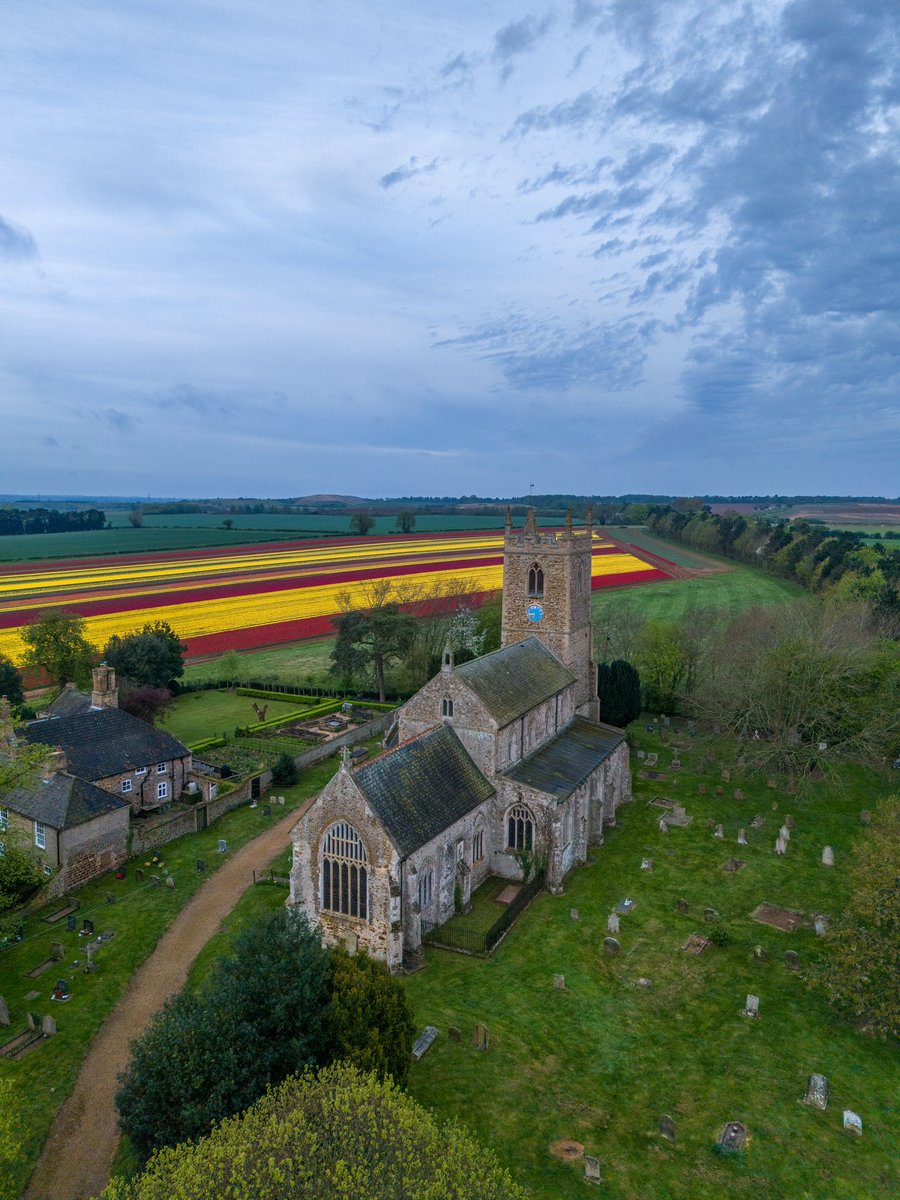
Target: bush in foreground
{"type": "Point", "coordinates": [335, 1135]}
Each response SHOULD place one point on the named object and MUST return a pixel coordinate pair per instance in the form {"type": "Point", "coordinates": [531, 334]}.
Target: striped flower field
{"type": "Point", "coordinates": [250, 596]}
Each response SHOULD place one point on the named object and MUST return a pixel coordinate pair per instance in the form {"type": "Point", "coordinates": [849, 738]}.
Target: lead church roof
{"type": "Point", "coordinates": [560, 766]}
{"type": "Point", "coordinates": [421, 788]}
{"type": "Point", "coordinates": [512, 681]}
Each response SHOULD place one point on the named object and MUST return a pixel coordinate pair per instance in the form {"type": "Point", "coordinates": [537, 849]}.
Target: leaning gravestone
{"type": "Point", "coordinates": [817, 1092]}
{"type": "Point", "coordinates": [57, 951]}
{"type": "Point", "coordinates": [574, 914]}
{"type": "Point", "coordinates": [454, 1033]}
{"type": "Point", "coordinates": [667, 1127]}
{"type": "Point", "coordinates": [611, 945]}
{"type": "Point", "coordinates": [559, 982]}
{"type": "Point", "coordinates": [480, 1037]}
{"type": "Point", "coordinates": [827, 857]}
{"type": "Point", "coordinates": [742, 837]}
{"type": "Point", "coordinates": [760, 954]}
{"type": "Point", "coordinates": [710, 915]}
{"type": "Point", "coordinates": [424, 1041]}
{"type": "Point", "coordinates": [820, 925]}
{"type": "Point", "coordinates": [592, 1169]}
{"type": "Point", "coordinates": [612, 923]}
{"type": "Point", "coordinates": [170, 882]}
{"type": "Point", "coordinates": [223, 846]}
{"type": "Point", "coordinates": [682, 906]}
{"type": "Point", "coordinates": [663, 825]}
{"type": "Point", "coordinates": [4, 1012]}
{"type": "Point", "coordinates": [33, 1021]}
{"type": "Point", "coordinates": [48, 1027]}
{"type": "Point", "coordinates": [719, 832]}
{"type": "Point", "coordinates": [792, 960]}
{"type": "Point", "coordinates": [852, 1122]}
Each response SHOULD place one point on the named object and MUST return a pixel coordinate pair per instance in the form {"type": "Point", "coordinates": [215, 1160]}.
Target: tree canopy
{"type": "Point", "coordinates": [406, 521]}
{"type": "Point", "coordinates": [335, 1135]}
{"type": "Point", "coordinates": [10, 682]}
{"type": "Point", "coordinates": [619, 690]}
{"type": "Point", "coordinates": [370, 1020]}
{"type": "Point", "coordinates": [371, 638]}
{"type": "Point", "coordinates": [361, 523]}
{"type": "Point", "coordinates": [56, 642]}
{"type": "Point", "coordinates": [152, 656]}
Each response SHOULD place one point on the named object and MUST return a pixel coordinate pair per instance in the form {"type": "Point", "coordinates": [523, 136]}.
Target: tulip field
{"type": "Point", "coordinates": [219, 599]}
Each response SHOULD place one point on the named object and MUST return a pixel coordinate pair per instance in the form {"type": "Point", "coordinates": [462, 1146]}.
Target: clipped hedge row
{"type": "Point", "coordinates": [300, 714]}
{"type": "Point", "coordinates": [210, 743]}
{"type": "Point", "coordinates": [262, 694]}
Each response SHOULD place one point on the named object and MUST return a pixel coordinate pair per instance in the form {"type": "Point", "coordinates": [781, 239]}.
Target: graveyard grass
{"type": "Point", "coordinates": [604, 1060]}
{"type": "Point", "coordinates": [140, 915]}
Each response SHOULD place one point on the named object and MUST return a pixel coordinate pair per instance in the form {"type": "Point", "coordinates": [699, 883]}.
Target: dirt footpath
{"type": "Point", "coordinates": [77, 1157]}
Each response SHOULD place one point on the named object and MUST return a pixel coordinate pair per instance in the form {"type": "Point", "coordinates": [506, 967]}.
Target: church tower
{"type": "Point", "coordinates": [547, 593]}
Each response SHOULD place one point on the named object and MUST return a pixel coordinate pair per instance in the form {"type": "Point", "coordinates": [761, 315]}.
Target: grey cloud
{"type": "Point", "coordinates": [638, 162]}
{"type": "Point", "coordinates": [188, 397]}
{"type": "Point", "coordinates": [612, 201]}
{"type": "Point", "coordinates": [573, 176]}
{"type": "Point", "coordinates": [520, 36]}
{"type": "Point", "coordinates": [118, 420]}
{"type": "Point", "coordinates": [459, 65]}
{"type": "Point", "coordinates": [402, 173]}
{"type": "Point", "coordinates": [568, 114]}
{"type": "Point", "coordinates": [16, 242]}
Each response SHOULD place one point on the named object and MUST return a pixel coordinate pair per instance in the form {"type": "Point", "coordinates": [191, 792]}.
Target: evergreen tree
{"type": "Point", "coordinates": [619, 689]}
{"type": "Point", "coordinates": [370, 1019]}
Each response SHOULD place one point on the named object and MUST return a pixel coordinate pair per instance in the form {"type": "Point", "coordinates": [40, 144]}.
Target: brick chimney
{"type": "Point", "coordinates": [56, 763]}
{"type": "Point", "coordinates": [105, 693]}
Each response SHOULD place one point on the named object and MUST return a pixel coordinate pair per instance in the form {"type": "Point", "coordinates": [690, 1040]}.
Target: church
{"type": "Point", "coordinates": [500, 766]}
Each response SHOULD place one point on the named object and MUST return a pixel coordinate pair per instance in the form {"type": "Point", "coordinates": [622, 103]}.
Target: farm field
{"type": "Point", "coordinates": [261, 595]}
{"type": "Point", "coordinates": [38, 547]}
{"type": "Point", "coordinates": [318, 524]}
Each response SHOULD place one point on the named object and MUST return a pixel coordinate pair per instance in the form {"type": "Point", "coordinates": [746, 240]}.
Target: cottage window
{"type": "Point", "coordinates": [141, 771]}
{"type": "Point", "coordinates": [126, 785]}
{"type": "Point", "coordinates": [426, 885]}
{"type": "Point", "coordinates": [40, 836]}
{"type": "Point", "coordinates": [535, 581]}
{"type": "Point", "coordinates": [345, 876]}
{"type": "Point", "coordinates": [519, 828]}
{"type": "Point", "coordinates": [162, 791]}
{"type": "Point", "coordinates": [4, 817]}
{"type": "Point", "coordinates": [161, 768]}
{"type": "Point", "coordinates": [446, 707]}
{"type": "Point", "coordinates": [478, 845]}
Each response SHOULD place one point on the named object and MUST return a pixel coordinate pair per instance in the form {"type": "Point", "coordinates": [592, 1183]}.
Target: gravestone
{"type": "Point", "coordinates": [676, 764]}
{"type": "Point", "coordinates": [789, 821]}
{"type": "Point", "coordinates": [710, 915]}
{"type": "Point", "coordinates": [642, 754]}
{"type": "Point", "coordinates": [742, 837]}
{"type": "Point", "coordinates": [592, 1169]}
{"type": "Point", "coordinates": [827, 857]}
{"type": "Point", "coordinates": [733, 1136]}
{"type": "Point", "coordinates": [852, 1122]}
{"type": "Point", "coordinates": [87, 926]}
{"type": "Point", "coordinates": [267, 810]}
{"type": "Point", "coordinates": [646, 864]}
{"type": "Point", "coordinates": [719, 832]}
{"type": "Point", "coordinates": [720, 791]}
{"type": "Point", "coordinates": [645, 983]}
{"type": "Point", "coordinates": [155, 880]}
{"type": "Point", "coordinates": [734, 865]}
{"type": "Point", "coordinates": [817, 1092]}
{"type": "Point", "coordinates": [865, 817]}
{"type": "Point", "coordinates": [682, 906]}
{"type": "Point", "coordinates": [726, 775]}
{"type": "Point", "coordinates": [139, 874]}
{"type": "Point", "coordinates": [71, 923]}
{"type": "Point", "coordinates": [57, 951]}
{"type": "Point", "coordinates": [454, 1033]}
{"type": "Point", "coordinates": [223, 846]}
{"type": "Point", "coordinates": [820, 924]}
{"type": "Point", "coordinates": [667, 1127]}
{"type": "Point", "coordinates": [612, 923]}
{"type": "Point", "coordinates": [651, 760]}
{"type": "Point", "coordinates": [611, 945]}
{"type": "Point", "coordinates": [751, 1008]}
{"type": "Point", "coordinates": [760, 954]}
{"type": "Point", "coordinates": [625, 906]}
{"type": "Point", "coordinates": [424, 1041]}
{"type": "Point", "coordinates": [772, 782]}
{"type": "Point", "coordinates": [4, 1012]}
{"type": "Point", "coordinates": [574, 914]}
{"type": "Point", "coordinates": [110, 898]}
{"type": "Point", "coordinates": [170, 882]}
{"type": "Point", "coordinates": [48, 1027]}
{"type": "Point", "coordinates": [201, 866]}
{"type": "Point", "coordinates": [758, 821]}
{"type": "Point", "coordinates": [792, 960]}
{"type": "Point", "coordinates": [480, 1037]}
{"type": "Point", "coordinates": [695, 944]}
{"type": "Point", "coordinates": [738, 794]}
{"type": "Point", "coordinates": [34, 1021]}
{"type": "Point", "coordinates": [663, 825]}
{"type": "Point", "coordinates": [31, 995]}
{"type": "Point", "coordinates": [781, 846]}
{"type": "Point", "coordinates": [649, 728]}
{"type": "Point", "coordinates": [784, 833]}
{"type": "Point", "coordinates": [559, 982]}
{"type": "Point", "coordinates": [701, 789]}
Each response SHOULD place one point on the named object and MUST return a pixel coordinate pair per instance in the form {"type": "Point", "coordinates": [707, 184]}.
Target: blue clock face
{"type": "Point", "coordinates": [535, 612]}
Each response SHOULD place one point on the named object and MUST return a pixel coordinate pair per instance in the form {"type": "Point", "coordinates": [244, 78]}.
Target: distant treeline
{"type": "Point", "coordinates": [818, 558]}
{"type": "Point", "coordinates": [49, 520]}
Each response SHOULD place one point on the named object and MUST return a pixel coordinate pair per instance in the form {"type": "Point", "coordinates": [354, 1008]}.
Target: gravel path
{"type": "Point", "coordinates": [77, 1157]}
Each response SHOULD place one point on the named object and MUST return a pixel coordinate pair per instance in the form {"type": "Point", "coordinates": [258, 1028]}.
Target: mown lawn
{"type": "Point", "coordinates": [197, 715]}
{"type": "Point", "coordinates": [301, 663]}
{"type": "Point", "coordinates": [602, 1061]}
{"type": "Point", "coordinates": [139, 916]}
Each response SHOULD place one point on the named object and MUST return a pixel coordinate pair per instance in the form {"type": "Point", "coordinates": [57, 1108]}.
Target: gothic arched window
{"type": "Point", "coordinates": [426, 884]}
{"type": "Point", "coordinates": [536, 581]}
{"type": "Point", "coordinates": [345, 876]}
{"type": "Point", "coordinates": [519, 828]}
{"type": "Point", "coordinates": [446, 707]}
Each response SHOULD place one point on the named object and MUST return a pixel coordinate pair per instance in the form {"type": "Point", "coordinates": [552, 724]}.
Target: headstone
{"type": "Point", "coordinates": [110, 898]}
{"type": "Point", "coordinates": [676, 764]}
{"type": "Point", "coordinates": [726, 775]}
{"type": "Point", "coordinates": [611, 945]}
{"type": "Point", "coordinates": [663, 825]}
{"type": "Point", "coordinates": [642, 754]}
{"type": "Point", "coordinates": [789, 821]}
{"type": "Point", "coordinates": [612, 923]}
{"type": "Point", "coordinates": [156, 881]}
{"type": "Point", "coordinates": [695, 944]}
{"type": "Point", "coordinates": [772, 782]}
{"type": "Point", "coordinates": [645, 983]}
{"type": "Point", "coordinates": [738, 794]}
{"type": "Point", "coordinates": [784, 833]}
{"type": "Point", "coordinates": [817, 1092]}
{"type": "Point", "coordinates": [758, 821]}
{"type": "Point", "coordinates": [574, 914]}
{"type": "Point", "coordinates": [827, 857]}
{"type": "Point", "coordinates": [682, 906]}
{"type": "Point", "coordinates": [71, 923]}
{"type": "Point", "coordinates": [57, 951]}
{"type": "Point", "coordinates": [4, 1012]}
{"type": "Point", "coordinates": [792, 960]}
{"type": "Point", "coordinates": [87, 926]}
{"type": "Point", "coordinates": [170, 882]}
{"type": "Point", "coordinates": [223, 846]}
{"type": "Point", "coordinates": [559, 982]}
{"type": "Point", "coordinates": [201, 866]}
{"type": "Point", "coordinates": [454, 1033]}
{"type": "Point", "coordinates": [710, 915]}
{"type": "Point", "coordinates": [33, 1021]}
{"type": "Point", "coordinates": [267, 811]}
{"type": "Point", "coordinates": [48, 1027]}
{"type": "Point", "coordinates": [592, 1169]}
{"type": "Point", "coordinates": [646, 864]}
{"type": "Point", "coordinates": [667, 1127]}
{"type": "Point", "coordinates": [820, 924]}
{"type": "Point", "coordinates": [480, 1037]}
{"type": "Point", "coordinates": [31, 995]}
{"type": "Point", "coordinates": [781, 846]}
{"type": "Point", "coordinates": [701, 789]}
{"type": "Point", "coordinates": [651, 760]}
{"type": "Point", "coordinates": [139, 874]}
{"type": "Point", "coordinates": [760, 954]}
{"type": "Point", "coordinates": [742, 837]}
{"type": "Point", "coordinates": [649, 728]}
{"type": "Point", "coordinates": [424, 1041]}
{"type": "Point", "coordinates": [852, 1122]}
{"type": "Point", "coordinates": [865, 817]}
{"type": "Point", "coordinates": [719, 832]}
{"type": "Point", "coordinates": [720, 791]}
{"type": "Point", "coordinates": [280, 800]}
{"type": "Point", "coordinates": [751, 1008]}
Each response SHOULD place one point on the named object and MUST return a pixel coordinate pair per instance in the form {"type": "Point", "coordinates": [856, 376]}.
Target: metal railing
{"type": "Point", "coordinates": [481, 942]}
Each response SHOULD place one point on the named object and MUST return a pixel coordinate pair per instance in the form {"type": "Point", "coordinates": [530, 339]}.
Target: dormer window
{"type": "Point", "coordinates": [446, 707]}
{"type": "Point", "coordinates": [535, 581]}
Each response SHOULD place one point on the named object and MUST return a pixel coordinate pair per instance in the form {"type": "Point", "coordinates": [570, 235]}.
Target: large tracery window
{"type": "Point", "coordinates": [426, 884]}
{"type": "Point", "coordinates": [519, 828]}
{"type": "Point", "coordinates": [345, 876]}
{"type": "Point", "coordinates": [535, 581]}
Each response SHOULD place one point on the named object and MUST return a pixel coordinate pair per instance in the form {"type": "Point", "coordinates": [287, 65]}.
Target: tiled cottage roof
{"type": "Point", "coordinates": [564, 763]}
{"type": "Point", "coordinates": [422, 787]}
{"type": "Point", "coordinates": [514, 680]}
{"type": "Point", "coordinates": [105, 741]}
{"type": "Point", "coordinates": [61, 801]}
{"type": "Point", "coordinates": [69, 702]}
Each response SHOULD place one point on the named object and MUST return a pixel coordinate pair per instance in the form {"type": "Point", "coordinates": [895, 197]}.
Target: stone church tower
{"type": "Point", "coordinates": [547, 594]}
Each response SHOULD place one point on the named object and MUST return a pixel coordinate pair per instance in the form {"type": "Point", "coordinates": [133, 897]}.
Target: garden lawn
{"type": "Point", "coordinates": [602, 1061]}
{"type": "Point", "coordinates": [198, 715]}
{"type": "Point", "coordinates": [139, 916]}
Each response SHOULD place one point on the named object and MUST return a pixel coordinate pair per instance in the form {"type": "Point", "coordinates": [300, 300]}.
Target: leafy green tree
{"type": "Point", "coordinates": [11, 682]}
{"type": "Point", "coordinates": [19, 872]}
{"type": "Point", "coordinates": [284, 772]}
{"type": "Point", "coordinates": [337, 1134]}
{"type": "Point", "coordinates": [361, 523]}
{"type": "Point", "coordinates": [406, 521]}
{"type": "Point", "coordinates": [371, 638]}
{"type": "Point", "coordinates": [860, 974]}
{"type": "Point", "coordinates": [152, 656]}
{"type": "Point", "coordinates": [662, 664]}
{"type": "Point", "coordinates": [619, 689]}
{"type": "Point", "coordinates": [136, 518]}
{"type": "Point", "coordinates": [56, 643]}
{"type": "Point", "coordinates": [228, 667]}
{"type": "Point", "coordinates": [206, 1056]}
{"type": "Point", "coordinates": [370, 1019]}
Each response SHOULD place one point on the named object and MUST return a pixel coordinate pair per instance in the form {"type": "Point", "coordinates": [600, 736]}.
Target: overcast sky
{"type": "Point", "coordinates": [417, 248]}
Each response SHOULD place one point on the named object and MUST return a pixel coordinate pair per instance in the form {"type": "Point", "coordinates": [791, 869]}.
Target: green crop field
{"type": "Point", "coordinates": [300, 663]}
{"type": "Point", "coordinates": [299, 524]}
{"type": "Point", "coordinates": [637, 535]}
{"type": "Point", "coordinates": [46, 546]}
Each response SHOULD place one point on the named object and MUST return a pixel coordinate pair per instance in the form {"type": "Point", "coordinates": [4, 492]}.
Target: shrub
{"type": "Point", "coordinates": [284, 773]}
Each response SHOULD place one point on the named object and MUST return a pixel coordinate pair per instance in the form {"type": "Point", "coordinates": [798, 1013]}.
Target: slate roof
{"type": "Point", "coordinates": [62, 801]}
{"type": "Point", "coordinates": [563, 764]}
{"type": "Point", "coordinates": [105, 741]}
{"type": "Point", "coordinates": [69, 702]}
{"type": "Point", "coordinates": [422, 787]}
{"type": "Point", "coordinates": [511, 681]}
